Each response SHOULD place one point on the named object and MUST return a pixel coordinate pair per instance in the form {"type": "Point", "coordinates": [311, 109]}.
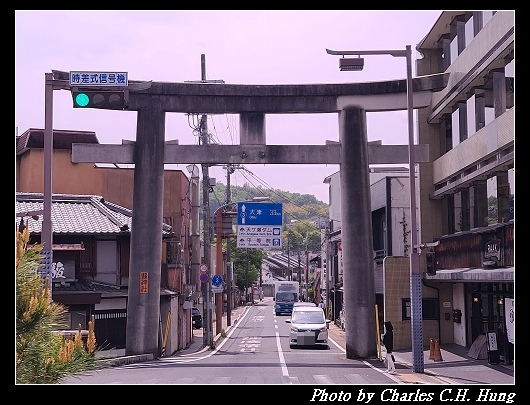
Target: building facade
{"type": "Point", "coordinates": [467, 189]}
{"type": "Point", "coordinates": [95, 278]}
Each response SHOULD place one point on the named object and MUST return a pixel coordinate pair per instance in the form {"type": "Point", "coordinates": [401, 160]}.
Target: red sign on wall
{"type": "Point", "coordinates": [144, 284]}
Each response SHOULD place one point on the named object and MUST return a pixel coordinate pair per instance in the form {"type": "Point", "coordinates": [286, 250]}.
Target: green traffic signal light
{"type": "Point", "coordinates": [82, 99]}
{"type": "Point", "coordinates": [102, 99]}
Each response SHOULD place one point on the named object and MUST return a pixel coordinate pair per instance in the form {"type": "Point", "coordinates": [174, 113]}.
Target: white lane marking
{"type": "Point", "coordinates": [285, 371]}
{"type": "Point", "coordinates": [179, 359]}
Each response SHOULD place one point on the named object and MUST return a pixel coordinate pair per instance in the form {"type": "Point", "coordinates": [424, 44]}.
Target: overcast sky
{"type": "Point", "coordinates": [240, 47]}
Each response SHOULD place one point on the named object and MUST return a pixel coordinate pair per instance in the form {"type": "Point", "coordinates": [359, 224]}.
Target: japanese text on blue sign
{"type": "Point", "coordinates": [250, 213]}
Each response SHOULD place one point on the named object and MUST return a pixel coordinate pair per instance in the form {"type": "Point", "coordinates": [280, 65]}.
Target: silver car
{"type": "Point", "coordinates": [309, 327]}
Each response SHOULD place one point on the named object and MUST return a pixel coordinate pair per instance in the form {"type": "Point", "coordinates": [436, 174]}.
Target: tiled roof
{"type": "Point", "coordinates": [33, 138]}
{"type": "Point", "coordinates": [77, 215]}
{"type": "Point", "coordinates": [84, 285]}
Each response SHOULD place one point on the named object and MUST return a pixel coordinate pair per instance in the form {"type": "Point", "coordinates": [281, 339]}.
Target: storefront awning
{"type": "Point", "coordinates": [477, 275]}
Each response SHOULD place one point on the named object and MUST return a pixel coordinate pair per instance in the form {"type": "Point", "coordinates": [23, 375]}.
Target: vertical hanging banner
{"type": "Point", "coordinates": [509, 316]}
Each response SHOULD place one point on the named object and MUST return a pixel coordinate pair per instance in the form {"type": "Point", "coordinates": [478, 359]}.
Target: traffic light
{"type": "Point", "coordinates": [431, 263]}
{"type": "Point", "coordinates": [102, 99]}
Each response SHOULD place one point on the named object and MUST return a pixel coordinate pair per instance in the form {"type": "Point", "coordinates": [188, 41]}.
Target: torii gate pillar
{"type": "Point", "coordinates": [356, 231]}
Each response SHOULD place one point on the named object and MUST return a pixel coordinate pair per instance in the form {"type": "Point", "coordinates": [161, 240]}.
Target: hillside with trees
{"type": "Point", "coordinates": [296, 207]}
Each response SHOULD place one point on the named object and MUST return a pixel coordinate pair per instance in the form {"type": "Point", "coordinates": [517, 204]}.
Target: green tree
{"type": "Point", "coordinates": [301, 236]}
{"type": "Point", "coordinates": [247, 264]}
{"type": "Point", "coordinates": [42, 356]}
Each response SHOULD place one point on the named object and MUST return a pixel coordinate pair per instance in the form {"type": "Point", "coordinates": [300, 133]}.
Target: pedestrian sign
{"type": "Point", "coordinates": [217, 280]}
{"type": "Point", "coordinates": [217, 284]}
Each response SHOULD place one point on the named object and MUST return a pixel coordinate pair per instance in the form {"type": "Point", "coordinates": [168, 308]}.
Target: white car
{"type": "Point", "coordinates": [309, 327]}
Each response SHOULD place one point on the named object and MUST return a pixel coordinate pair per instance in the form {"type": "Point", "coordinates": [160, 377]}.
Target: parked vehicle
{"type": "Point", "coordinates": [309, 327]}
{"type": "Point", "coordinates": [196, 318]}
{"type": "Point", "coordinates": [304, 304]}
{"type": "Point", "coordinates": [285, 295]}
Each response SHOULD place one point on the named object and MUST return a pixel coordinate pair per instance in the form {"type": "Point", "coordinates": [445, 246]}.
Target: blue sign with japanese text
{"type": "Point", "coordinates": [254, 213]}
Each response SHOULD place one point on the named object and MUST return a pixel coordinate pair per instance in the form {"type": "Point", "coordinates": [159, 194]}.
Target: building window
{"type": "Point", "coordinates": [429, 308]}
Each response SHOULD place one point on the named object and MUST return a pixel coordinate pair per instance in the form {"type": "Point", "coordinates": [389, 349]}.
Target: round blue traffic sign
{"type": "Point", "coordinates": [217, 280]}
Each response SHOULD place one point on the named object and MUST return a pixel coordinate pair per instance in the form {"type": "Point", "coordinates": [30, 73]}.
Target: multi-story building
{"type": "Point", "coordinates": [465, 193]}
{"type": "Point", "coordinates": [467, 189]}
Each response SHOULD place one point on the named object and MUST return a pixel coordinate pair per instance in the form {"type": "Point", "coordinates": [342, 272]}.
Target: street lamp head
{"type": "Point", "coordinates": [351, 64]}
{"type": "Point", "coordinates": [193, 170]}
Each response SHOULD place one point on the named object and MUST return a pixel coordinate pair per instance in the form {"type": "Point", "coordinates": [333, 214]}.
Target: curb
{"type": "Point", "coordinates": [124, 360]}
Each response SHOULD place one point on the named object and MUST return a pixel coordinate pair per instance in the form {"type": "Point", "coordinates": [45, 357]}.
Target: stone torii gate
{"type": "Point", "coordinates": [149, 153]}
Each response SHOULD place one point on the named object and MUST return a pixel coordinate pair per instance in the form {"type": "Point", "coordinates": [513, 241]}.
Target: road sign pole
{"type": "Point", "coordinates": [204, 277]}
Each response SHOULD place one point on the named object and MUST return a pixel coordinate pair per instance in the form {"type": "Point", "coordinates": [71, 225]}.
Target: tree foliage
{"type": "Point", "coordinates": [301, 236]}
{"type": "Point", "coordinates": [247, 264]}
{"type": "Point", "coordinates": [42, 355]}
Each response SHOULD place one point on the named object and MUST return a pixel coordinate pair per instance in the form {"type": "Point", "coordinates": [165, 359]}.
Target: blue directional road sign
{"type": "Point", "coordinates": [256, 213]}
{"type": "Point", "coordinates": [259, 225]}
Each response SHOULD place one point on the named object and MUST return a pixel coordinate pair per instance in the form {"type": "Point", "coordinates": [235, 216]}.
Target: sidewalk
{"type": "Point", "coordinates": [456, 367]}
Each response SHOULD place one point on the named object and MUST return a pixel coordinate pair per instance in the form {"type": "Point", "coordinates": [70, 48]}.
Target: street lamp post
{"type": "Point", "coordinates": [289, 272]}
{"type": "Point", "coordinates": [246, 280]}
{"type": "Point", "coordinates": [415, 276]}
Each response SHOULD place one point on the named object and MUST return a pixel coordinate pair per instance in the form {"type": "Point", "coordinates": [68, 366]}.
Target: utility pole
{"type": "Point", "coordinates": [300, 286]}
{"type": "Point", "coordinates": [289, 272]}
{"type": "Point", "coordinates": [195, 234]}
{"type": "Point", "coordinates": [229, 268]}
{"type": "Point", "coordinates": [206, 290]}
{"type": "Point", "coordinates": [330, 279]}
{"type": "Point", "coordinates": [306, 270]}
{"type": "Point", "coordinates": [246, 280]}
